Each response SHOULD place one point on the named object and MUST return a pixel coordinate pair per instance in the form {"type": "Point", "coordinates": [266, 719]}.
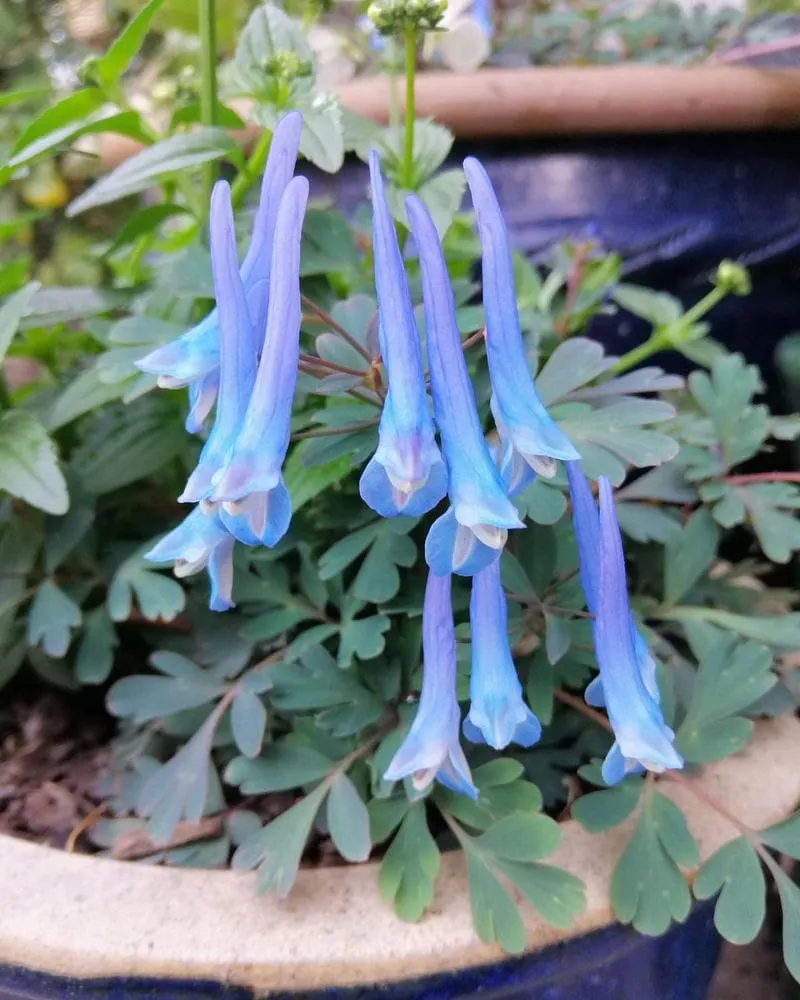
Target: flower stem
{"type": "Point", "coordinates": [664, 337]}
{"type": "Point", "coordinates": [407, 171]}
{"type": "Point", "coordinates": [762, 477]}
{"type": "Point", "coordinates": [208, 93]}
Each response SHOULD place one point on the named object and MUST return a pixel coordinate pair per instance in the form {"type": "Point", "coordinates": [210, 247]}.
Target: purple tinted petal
{"type": "Point", "coordinates": [220, 572]}
{"type": "Point", "coordinates": [202, 395]}
{"type": "Point", "coordinates": [451, 548]}
{"type": "Point", "coordinates": [378, 492]}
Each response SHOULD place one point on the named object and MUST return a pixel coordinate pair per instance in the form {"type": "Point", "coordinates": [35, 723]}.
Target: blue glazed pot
{"type": "Point", "coordinates": [612, 964]}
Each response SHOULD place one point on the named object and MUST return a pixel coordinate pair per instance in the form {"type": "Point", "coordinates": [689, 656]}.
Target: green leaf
{"type": "Point", "coordinates": [385, 815]}
{"type": "Point", "coordinates": [542, 503]}
{"type": "Point", "coordinates": [158, 596]}
{"type": "Point", "coordinates": [521, 837]}
{"type": "Point", "coordinates": [554, 893]}
{"type": "Point", "coordinates": [248, 721]}
{"type": "Point", "coordinates": [280, 767]}
{"type": "Point", "coordinates": [646, 523]}
{"type": "Point", "coordinates": [304, 482]}
{"type": "Point", "coordinates": [378, 580]}
{"type": "Point", "coordinates": [363, 638]}
{"type": "Point", "coordinates": [784, 837]}
{"type": "Point", "coordinates": [572, 364]}
{"type": "Point", "coordinates": [51, 616]}
{"type": "Point", "coordinates": [410, 866]}
{"type": "Point", "coordinates": [647, 888]}
{"type": "Point", "coordinates": [790, 904]}
{"type": "Point", "coordinates": [180, 788]}
{"type": "Point", "coordinates": [86, 393]}
{"type": "Point", "coordinates": [70, 109]}
{"type": "Point", "coordinates": [278, 848]}
{"type": "Point", "coordinates": [63, 534]}
{"type": "Point", "coordinates": [29, 466]}
{"type": "Point", "coordinates": [143, 697]}
{"type": "Point", "coordinates": [689, 554]}
{"type": "Point", "coordinates": [599, 811]}
{"type": "Point", "coordinates": [348, 820]}
{"type": "Point", "coordinates": [105, 119]}
{"type": "Point", "coordinates": [767, 505]}
{"type": "Point", "coordinates": [268, 31]}
{"type": "Point", "coordinates": [143, 222]}
{"type": "Point", "coordinates": [169, 156]}
{"type": "Point", "coordinates": [95, 656]}
{"type": "Point", "coordinates": [125, 47]}
{"type": "Point", "coordinates": [19, 547]}
{"type": "Point", "coordinates": [657, 308]}
{"type": "Point", "coordinates": [12, 311]}
{"type": "Point", "coordinates": [736, 873]}
{"type": "Point", "coordinates": [729, 679]}
{"type": "Point", "coordinates": [557, 637]}
{"type": "Point", "coordinates": [442, 196]}
{"type": "Point", "coordinates": [494, 913]}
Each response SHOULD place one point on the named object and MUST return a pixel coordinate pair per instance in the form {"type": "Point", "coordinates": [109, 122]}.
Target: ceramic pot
{"type": "Point", "coordinates": [73, 926]}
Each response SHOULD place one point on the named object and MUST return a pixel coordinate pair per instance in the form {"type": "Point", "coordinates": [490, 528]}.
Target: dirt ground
{"type": "Point", "coordinates": [753, 972]}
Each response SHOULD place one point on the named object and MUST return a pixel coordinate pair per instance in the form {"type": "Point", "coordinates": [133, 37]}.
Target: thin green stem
{"type": "Point", "coordinates": [5, 395]}
{"type": "Point", "coordinates": [208, 93]}
{"type": "Point", "coordinates": [407, 171]}
{"type": "Point", "coordinates": [252, 169]}
{"type": "Point", "coordinates": [662, 338]}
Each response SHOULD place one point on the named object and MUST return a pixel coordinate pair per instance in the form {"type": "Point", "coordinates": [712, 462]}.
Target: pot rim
{"type": "Point", "coordinates": [81, 917]}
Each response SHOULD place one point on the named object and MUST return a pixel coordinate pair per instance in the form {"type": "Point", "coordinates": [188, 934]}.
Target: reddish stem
{"type": "Point", "coordinates": [763, 477]}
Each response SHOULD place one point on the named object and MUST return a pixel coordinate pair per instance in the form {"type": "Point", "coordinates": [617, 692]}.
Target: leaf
{"type": "Point", "coordinates": [248, 721]}
{"type": "Point", "coordinates": [432, 143]}
{"type": "Point", "coordinates": [304, 482]}
{"type": "Point", "coordinates": [278, 848]}
{"type": "Point", "coordinates": [778, 532]}
{"type": "Point", "coordinates": [442, 196]}
{"type": "Point", "coordinates": [790, 904]}
{"type": "Point", "coordinates": [647, 888]}
{"type": "Point", "coordinates": [599, 811]}
{"type": "Point", "coordinates": [736, 873]}
{"type": "Point", "coordinates": [646, 523]}
{"type": "Point", "coordinates": [554, 893]}
{"type": "Point", "coordinates": [689, 554]}
{"type": "Point", "coordinates": [145, 221]}
{"type": "Point", "coordinates": [12, 311]}
{"type": "Point", "coordinates": [158, 596]}
{"type": "Point", "coordinates": [348, 820]}
{"type": "Point", "coordinates": [95, 656]}
{"type": "Point", "coordinates": [179, 789]}
{"type": "Point", "coordinates": [557, 637]}
{"type": "Point", "coordinates": [494, 913]}
{"type": "Point", "coordinates": [51, 616]}
{"type": "Point", "coordinates": [267, 32]}
{"type": "Point", "coordinates": [364, 638]}
{"type": "Point", "coordinates": [19, 547]}
{"type": "Point", "coordinates": [572, 364]}
{"type": "Point", "coordinates": [378, 580]}
{"type": "Point", "coordinates": [657, 308]}
{"type": "Point", "coordinates": [69, 109]}
{"type": "Point", "coordinates": [125, 47]}
{"type": "Point", "coordinates": [729, 679]}
{"type": "Point", "coordinates": [29, 466]}
{"type": "Point", "coordinates": [542, 503]}
{"type": "Point", "coordinates": [280, 767]}
{"type": "Point", "coordinates": [521, 837]}
{"type": "Point", "coordinates": [410, 866]}
{"type": "Point", "coordinates": [105, 119]}
{"type": "Point", "coordinates": [53, 304]}
{"type": "Point", "coordinates": [172, 155]}
{"type": "Point", "coordinates": [63, 534]}
{"type": "Point", "coordinates": [143, 697]}
{"type": "Point", "coordinates": [784, 837]}
{"type": "Point", "coordinates": [86, 393]}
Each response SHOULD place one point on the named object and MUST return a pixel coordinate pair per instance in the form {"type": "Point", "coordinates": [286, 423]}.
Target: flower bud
{"type": "Point", "coordinates": [732, 277]}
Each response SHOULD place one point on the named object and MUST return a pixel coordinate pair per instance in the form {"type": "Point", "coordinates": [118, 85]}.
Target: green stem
{"type": "Point", "coordinates": [5, 395]}
{"type": "Point", "coordinates": [252, 169]}
{"type": "Point", "coordinates": [208, 94]}
{"type": "Point", "coordinates": [407, 172]}
{"type": "Point", "coordinates": [662, 338]}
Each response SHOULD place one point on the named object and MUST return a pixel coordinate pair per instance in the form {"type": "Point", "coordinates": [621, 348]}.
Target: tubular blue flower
{"type": "Point", "coordinates": [643, 739]}
{"type": "Point", "coordinates": [196, 354]}
{"type": "Point", "coordinates": [586, 524]}
{"type": "Point", "coordinates": [497, 715]}
{"type": "Point", "coordinates": [432, 748]}
{"type": "Point", "coordinates": [238, 349]}
{"type": "Point", "coordinates": [200, 541]}
{"type": "Point", "coordinates": [520, 415]}
{"type": "Point", "coordinates": [473, 532]}
{"type": "Point", "coordinates": [406, 475]}
{"type": "Point", "coordinates": [250, 484]}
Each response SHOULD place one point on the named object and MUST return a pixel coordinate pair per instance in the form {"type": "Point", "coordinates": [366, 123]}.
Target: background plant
{"type": "Point", "coordinates": [257, 737]}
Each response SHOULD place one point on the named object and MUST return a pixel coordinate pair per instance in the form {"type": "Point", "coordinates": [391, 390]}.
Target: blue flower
{"type": "Point", "coordinates": [406, 475]}
{"type": "Point", "coordinates": [473, 532]}
{"type": "Point", "coordinates": [497, 715]}
{"type": "Point", "coordinates": [643, 739]}
{"type": "Point", "coordinates": [432, 748]}
{"type": "Point", "coordinates": [195, 355]}
{"type": "Point", "coordinates": [200, 541]}
{"type": "Point", "coordinates": [249, 484]}
{"type": "Point", "coordinates": [586, 524]}
{"type": "Point", "coordinates": [238, 349]}
{"type": "Point", "coordinates": [519, 414]}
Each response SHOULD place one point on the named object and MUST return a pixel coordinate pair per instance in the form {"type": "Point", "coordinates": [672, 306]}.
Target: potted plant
{"type": "Point", "coordinates": [313, 732]}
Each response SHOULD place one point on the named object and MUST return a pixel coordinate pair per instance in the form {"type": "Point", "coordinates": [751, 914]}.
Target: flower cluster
{"type": "Point", "coordinates": [245, 353]}
{"type": "Point", "coordinates": [240, 493]}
